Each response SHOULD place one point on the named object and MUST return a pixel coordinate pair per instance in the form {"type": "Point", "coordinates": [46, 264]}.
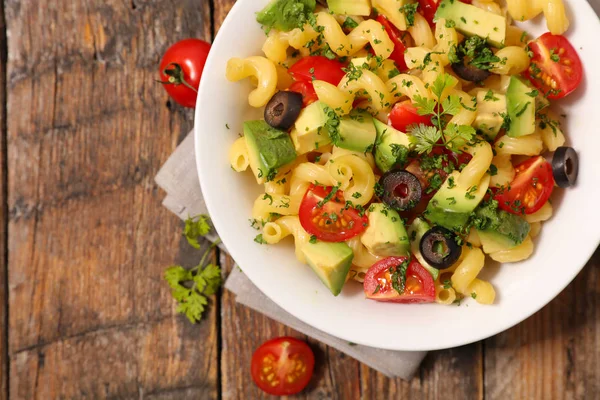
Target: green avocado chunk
{"type": "Point", "coordinates": [268, 149]}
{"type": "Point", "coordinates": [520, 102]}
{"type": "Point", "coordinates": [391, 146]}
{"type": "Point", "coordinates": [498, 229]}
{"type": "Point", "coordinates": [350, 7]}
{"type": "Point", "coordinates": [309, 131]}
{"type": "Point", "coordinates": [331, 262]}
{"type": "Point", "coordinates": [452, 205]}
{"type": "Point", "coordinates": [385, 236]}
{"type": "Point", "coordinates": [355, 132]}
{"type": "Point", "coordinates": [473, 21]}
{"type": "Point", "coordinates": [285, 15]}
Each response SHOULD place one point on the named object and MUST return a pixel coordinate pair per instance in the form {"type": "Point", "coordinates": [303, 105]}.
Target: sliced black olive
{"type": "Point", "coordinates": [283, 110]}
{"type": "Point", "coordinates": [401, 190]}
{"type": "Point", "coordinates": [565, 166]}
{"type": "Point", "coordinates": [439, 248]}
{"type": "Point", "coordinates": [470, 73]}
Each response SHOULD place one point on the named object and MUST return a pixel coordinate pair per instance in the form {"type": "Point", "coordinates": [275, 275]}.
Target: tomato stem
{"type": "Point", "coordinates": [176, 76]}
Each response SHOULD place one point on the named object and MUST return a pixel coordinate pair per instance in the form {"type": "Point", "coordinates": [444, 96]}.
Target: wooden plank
{"type": "Point", "coordinates": [454, 374]}
{"type": "Point", "coordinates": [88, 129]}
{"type": "Point", "coordinates": [555, 354]}
{"type": "Point", "coordinates": [244, 330]}
{"type": "Point", "coordinates": [3, 216]}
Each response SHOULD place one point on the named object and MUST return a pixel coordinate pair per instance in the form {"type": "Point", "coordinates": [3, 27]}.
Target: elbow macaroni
{"type": "Point", "coordinates": [374, 82]}
{"type": "Point", "coordinates": [260, 68]}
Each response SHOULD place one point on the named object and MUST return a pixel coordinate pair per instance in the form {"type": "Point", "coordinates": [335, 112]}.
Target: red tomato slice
{"type": "Point", "coordinates": [419, 286]}
{"type": "Point", "coordinates": [555, 68]}
{"type": "Point", "coordinates": [399, 46]}
{"type": "Point", "coordinates": [531, 188]}
{"type": "Point", "coordinates": [307, 91]}
{"type": "Point", "coordinates": [327, 217]}
{"type": "Point", "coordinates": [405, 114]}
{"type": "Point", "coordinates": [317, 68]}
{"type": "Point", "coordinates": [427, 8]}
{"type": "Point", "coordinates": [282, 366]}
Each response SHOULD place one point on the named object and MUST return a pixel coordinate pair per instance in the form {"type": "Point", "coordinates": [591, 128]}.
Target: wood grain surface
{"type": "Point", "coordinates": [84, 130]}
{"type": "Point", "coordinates": [3, 217]}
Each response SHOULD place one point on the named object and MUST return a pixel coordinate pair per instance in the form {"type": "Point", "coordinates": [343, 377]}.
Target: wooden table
{"type": "Point", "coordinates": [85, 240]}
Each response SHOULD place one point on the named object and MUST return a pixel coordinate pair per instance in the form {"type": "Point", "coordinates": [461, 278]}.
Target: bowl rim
{"type": "Point", "coordinates": [236, 252]}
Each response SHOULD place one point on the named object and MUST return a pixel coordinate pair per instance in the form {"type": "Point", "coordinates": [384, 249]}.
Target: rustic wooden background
{"type": "Point", "coordinates": [84, 239]}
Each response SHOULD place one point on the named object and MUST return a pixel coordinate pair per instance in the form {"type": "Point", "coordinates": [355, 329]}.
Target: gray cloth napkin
{"type": "Point", "coordinates": [179, 178]}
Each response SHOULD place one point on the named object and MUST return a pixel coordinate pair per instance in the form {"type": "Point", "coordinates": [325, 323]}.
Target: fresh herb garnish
{"type": "Point", "coordinates": [452, 136]}
{"type": "Point", "coordinates": [190, 287]}
{"type": "Point", "coordinates": [196, 227]}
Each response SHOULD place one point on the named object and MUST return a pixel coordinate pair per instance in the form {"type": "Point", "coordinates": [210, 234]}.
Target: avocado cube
{"type": "Point", "coordinates": [356, 132]}
{"type": "Point", "coordinates": [331, 262]}
{"type": "Point", "coordinates": [385, 236]}
{"type": "Point", "coordinates": [309, 131]}
{"type": "Point", "coordinates": [350, 7]}
{"type": "Point", "coordinates": [452, 205]}
{"type": "Point", "coordinates": [473, 21]}
{"type": "Point", "coordinates": [387, 145]}
{"type": "Point", "coordinates": [520, 103]}
{"type": "Point", "coordinates": [268, 149]}
{"type": "Point", "coordinates": [500, 230]}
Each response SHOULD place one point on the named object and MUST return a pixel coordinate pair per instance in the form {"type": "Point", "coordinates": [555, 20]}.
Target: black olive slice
{"type": "Point", "coordinates": [283, 110]}
{"type": "Point", "coordinates": [565, 166]}
{"type": "Point", "coordinates": [470, 73]}
{"type": "Point", "coordinates": [439, 248]}
{"type": "Point", "coordinates": [401, 190]}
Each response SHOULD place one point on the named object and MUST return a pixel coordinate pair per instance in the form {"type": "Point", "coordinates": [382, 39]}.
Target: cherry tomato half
{"type": "Point", "coordinates": [319, 68]}
{"type": "Point", "coordinates": [405, 114]}
{"type": "Point", "coordinates": [419, 286]}
{"type": "Point", "coordinates": [307, 91]}
{"type": "Point", "coordinates": [327, 217]}
{"type": "Point", "coordinates": [555, 68]}
{"type": "Point", "coordinates": [181, 69]}
{"type": "Point", "coordinates": [282, 366]}
{"type": "Point", "coordinates": [531, 188]}
{"type": "Point", "coordinates": [398, 38]}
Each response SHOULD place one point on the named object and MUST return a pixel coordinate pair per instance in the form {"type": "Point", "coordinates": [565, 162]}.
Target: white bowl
{"type": "Point", "coordinates": [565, 245]}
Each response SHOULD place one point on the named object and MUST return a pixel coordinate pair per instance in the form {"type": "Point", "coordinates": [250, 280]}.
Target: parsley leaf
{"type": "Point", "coordinates": [424, 105]}
{"type": "Point", "coordinates": [458, 136]}
{"type": "Point", "coordinates": [442, 82]}
{"type": "Point", "coordinates": [190, 287]}
{"type": "Point", "coordinates": [409, 11]}
{"type": "Point", "coordinates": [451, 105]}
{"type": "Point", "coordinates": [425, 138]}
{"type": "Point", "coordinates": [196, 227]}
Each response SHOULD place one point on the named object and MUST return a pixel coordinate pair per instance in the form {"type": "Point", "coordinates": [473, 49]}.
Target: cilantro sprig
{"type": "Point", "coordinates": [451, 136]}
{"type": "Point", "coordinates": [196, 227]}
{"type": "Point", "coordinates": [190, 287]}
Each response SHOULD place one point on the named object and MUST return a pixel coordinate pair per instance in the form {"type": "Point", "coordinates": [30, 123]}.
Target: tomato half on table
{"type": "Point", "coordinates": [327, 216]}
{"type": "Point", "coordinates": [307, 91]}
{"type": "Point", "coordinates": [282, 366]}
{"type": "Point", "coordinates": [531, 188]}
{"type": "Point", "coordinates": [379, 282]}
{"type": "Point", "coordinates": [318, 68]}
{"type": "Point", "coordinates": [399, 46]}
{"type": "Point", "coordinates": [405, 115]}
{"type": "Point", "coordinates": [555, 67]}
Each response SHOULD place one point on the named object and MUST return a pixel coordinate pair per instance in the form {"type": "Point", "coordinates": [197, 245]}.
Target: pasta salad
{"type": "Point", "coordinates": [403, 141]}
